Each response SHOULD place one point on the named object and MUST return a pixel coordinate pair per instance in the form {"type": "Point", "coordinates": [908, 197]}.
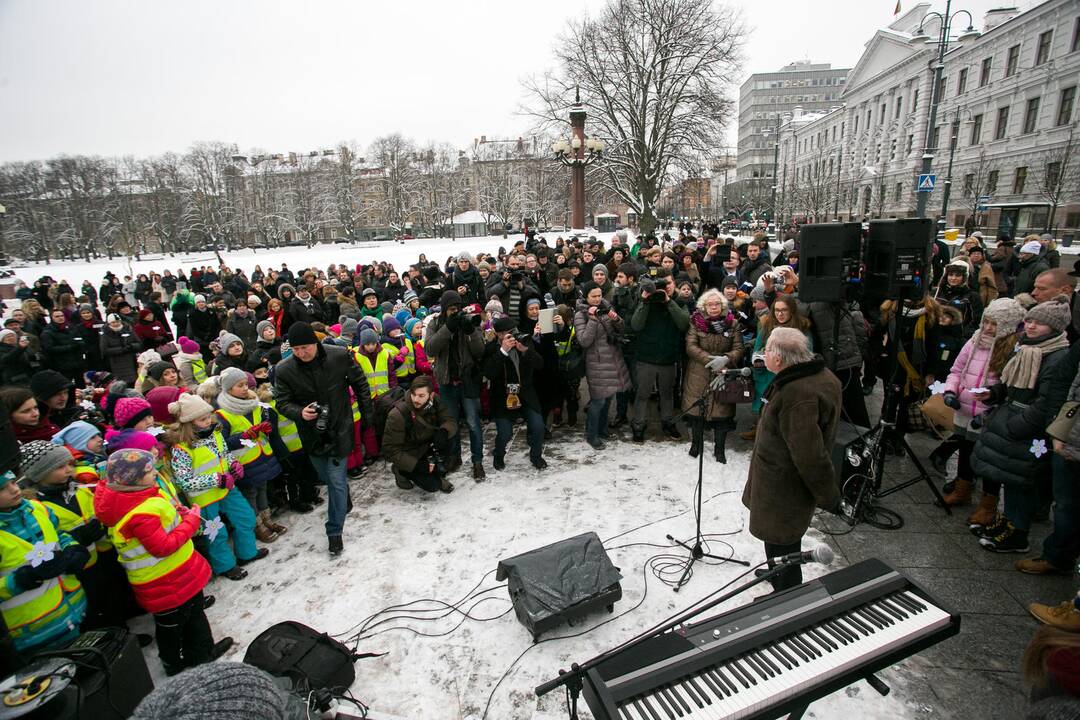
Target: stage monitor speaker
{"type": "Point", "coordinates": [898, 258]}
{"type": "Point", "coordinates": [829, 261]}
{"type": "Point", "coordinates": [111, 676]}
{"type": "Point", "coordinates": [560, 582]}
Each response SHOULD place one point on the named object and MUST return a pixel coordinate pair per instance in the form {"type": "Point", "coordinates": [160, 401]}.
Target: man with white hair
{"type": "Point", "coordinates": [791, 470]}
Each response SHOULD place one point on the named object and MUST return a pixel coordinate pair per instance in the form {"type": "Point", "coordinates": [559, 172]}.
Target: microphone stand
{"type": "Point", "coordinates": [574, 678]}
{"type": "Point", "coordinates": [697, 552]}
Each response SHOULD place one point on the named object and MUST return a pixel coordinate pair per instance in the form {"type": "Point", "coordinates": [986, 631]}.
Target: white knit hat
{"type": "Point", "coordinates": [189, 407]}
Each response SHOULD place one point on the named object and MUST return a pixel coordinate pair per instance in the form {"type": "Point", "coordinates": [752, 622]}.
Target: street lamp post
{"type": "Point", "coordinates": [577, 153]}
{"type": "Point", "coordinates": [836, 200]}
{"type": "Point", "coordinates": [920, 36]}
{"type": "Point", "coordinates": [3, 240]}
{"type": "Point", "coordinates": [947, 190]}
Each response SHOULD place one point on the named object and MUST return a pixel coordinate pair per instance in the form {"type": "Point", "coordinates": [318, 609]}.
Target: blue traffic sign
{"type": "Point", "coordinates": [927, 182]}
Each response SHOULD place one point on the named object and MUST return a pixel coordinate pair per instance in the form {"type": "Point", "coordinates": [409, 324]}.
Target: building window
{"type": "Point", "coordinates": [1053, 176]}
{"type": "Point", "coordinates": [1002, 123]}
{"type": "Point", "coordinates": [961, 82]}
{"type": "Point", "coordinates": [935, 135]}
{"type": "Point", "coordinates": [976, 129]}
{"type": "Point", "coordinates": [899, 106]}
{"type": "Point", "coordinates": [910, 144]}
{"type": "Point", "coordinates": [882, 113]}
{"type": "Point", "coordinates": [1031, 115]}
{"type": "Point", "coordinates": [1019, 180]}
{"type": "Point", "coordinates": [1042, 51]}
{"type": "Point", "coordinates": [899, 191]}
{"type": "Point", "coordinates": [892, 150]}
{"type": "Point", "coordinates": [877, 154]}
{"type": "Point", "coordinates": [984, 71]}
{"type": "Point", "coordinates": [1012, 60]}
{"type": "Point", "coordinates": [992, 180]}
{"type": "Point", "coordinates": [941, 88]}
{"type": "Point", "coordinates": [869, 118]}
{"type": "Point", "coordinates": [969, 182]}
{"type": "Point", "coordinates": [915, 100]}
{"type": "Point", "coordinates": [1075, 45]}
{"type": "Point", "coordinates": [1065, 105]}
{"type": "Point", "coordinates": [856, 124]}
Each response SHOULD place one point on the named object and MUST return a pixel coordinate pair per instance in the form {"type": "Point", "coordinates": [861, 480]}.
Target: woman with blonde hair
{"type": "Point", "coordinates": [784, 312]}
{"type": "Point", "coordinates": [713, 343]}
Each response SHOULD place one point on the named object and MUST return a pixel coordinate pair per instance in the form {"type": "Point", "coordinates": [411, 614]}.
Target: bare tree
{"type": "Point", "coordinates": [1059, 183]}
{"type": "Point", "coordinates": [348, 202]}
{"type": "Point", "coordinates": [815, 190]}
{"type": "Point", "coordinates": [309, 196]}
{"type": "Point", "coordinates": [399, 183]}
{"type": "Point", "coordinates": [653, 76]}
{"type": "Point", "coordinates": [980, 175]}
{"type": "Point", "coordinates": [211, 172]}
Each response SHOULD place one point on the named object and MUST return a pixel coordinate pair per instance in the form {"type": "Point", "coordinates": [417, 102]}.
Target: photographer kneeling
{"type": "Point", "coordinates": [417, 437]}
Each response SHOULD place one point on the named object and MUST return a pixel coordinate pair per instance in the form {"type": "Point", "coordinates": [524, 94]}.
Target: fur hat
{"type": "Point", "coordinates": [130, 410]}
{"type": "Point", "coordinates": [959, 265]}
{"type": "Point", "coordinates": [1007, 313]}
{"type": "Point", "coordinates": [189, 407]}
{"type": "Point", "coordinates": [1055, 313]}
{"type": "Point", "coordinates": [39, 458]}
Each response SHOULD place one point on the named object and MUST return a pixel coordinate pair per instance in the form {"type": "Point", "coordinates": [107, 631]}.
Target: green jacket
{"type": "Point", "coordinates": [661, 331]}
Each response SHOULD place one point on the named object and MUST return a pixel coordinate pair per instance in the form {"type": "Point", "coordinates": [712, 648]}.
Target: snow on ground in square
{"type": "Point", "coordinates": [408, 545]}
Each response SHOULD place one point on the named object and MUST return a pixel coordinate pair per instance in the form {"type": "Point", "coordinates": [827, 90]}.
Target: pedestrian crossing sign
{"type": "Point", "coordinates": [926, 183]}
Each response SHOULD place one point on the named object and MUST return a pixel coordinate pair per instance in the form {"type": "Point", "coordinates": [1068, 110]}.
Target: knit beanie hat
{"type": "Point", "coordinates": [1007, 313]}
{"type": "Point", "coordinates": [148, 357]}
{"type": "Point", "coordinates": [131, 410]}
{"type": "Point", "coordinates": [127, 439]}
{"type": "Point", "coordinates": [227, 339]}
{"type": "Point", "coordinates": [464, 255]}
{"type": "Point", "coordinates": [231, 376]}
{"type": "Point", "coordinates": [387, 307]}
{"type": "Point", "coordinates": [368, 337]}
{"type": "Point", "coordinates": [39, 458]}
{"type": "Point", "coordinates": [410, 324]}
{"type": "Point", "coordinates": [389, 325]}
{"type": "Point", "coordinates": [450, 298]}
{"type": "Point", "coordinates": [187, 345]}
{"type": "Point", "coordinates": [599, 267]}
{"type": "Point", "coordinates": [200, 298]}
{"type": "Point", "coordinates": [98, 378]}
{"type": "Point", "coordinates": [220, 689]}
{"type": "Point", "coordinates": [959, 265]}
{"type": "Point", "coordinates": [254, 301]}
{"type": "Point", "coordinates": [408, 297]}
{"type": "Point", "coordinates": [156, 370]}
{"type": "Point", "coordinates": [189, 407]}
{"type": "Point", "coordinates": [76, 435]}
{"type": "Point", "coordinates": [160, 398]}
{"type": "Point", "coordinates": [263, 325]}
{"type": "Point", "coordinates": [5, 333]}
{"type": "Point", "coordinates": [402, 316]}
{"type": "Point", "coordinates": [371, 322]}
{"type": "Point", "coordinates": [46, 383]}
{"type": "Point", "coordinates": [1055, 313]}
{"type": "Point", "coordinates": [350, 327]}
{"type": "Point", "coordinates": [127, 467]}
{"type": "Point", "coordinates": [300, 333]}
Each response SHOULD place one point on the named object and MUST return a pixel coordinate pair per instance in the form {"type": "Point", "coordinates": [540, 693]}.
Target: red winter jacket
{"type": "Point", "coordinates": [181, 584]}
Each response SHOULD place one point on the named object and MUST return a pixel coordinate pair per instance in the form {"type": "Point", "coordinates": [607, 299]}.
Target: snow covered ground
{"type": "Point", "coordinates": [405, 546]}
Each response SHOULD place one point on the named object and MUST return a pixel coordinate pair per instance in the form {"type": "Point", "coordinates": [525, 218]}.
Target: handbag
{"type": "Point", "coordinates": [937, 413]}
{"type": "Point", "coordinates": [736, 390]}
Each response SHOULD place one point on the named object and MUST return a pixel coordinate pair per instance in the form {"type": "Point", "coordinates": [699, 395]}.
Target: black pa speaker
{"type": "Point", "coordinates": [829, 261]}
{"type": "Point", "coordinates": [560, 582]}
{"type": "Point", "coordinates": [898, 258]}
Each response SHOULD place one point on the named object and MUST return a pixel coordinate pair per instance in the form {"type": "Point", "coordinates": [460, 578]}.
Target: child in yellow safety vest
{"type": "Point", "coordinates": [301, 493]}
{"type": "Point", "coordinates": [41, 600]}
{"type": "Point", "coordinates": [379, 363]}
{"type": "Point", "coordinates": [401, 346]}
{"type": "Point", "coordinates": [253, 443]}
{"type": "Point", "coordinates": [48, 471]}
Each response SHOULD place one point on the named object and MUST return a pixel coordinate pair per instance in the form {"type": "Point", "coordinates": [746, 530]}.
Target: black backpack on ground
{"type": "Point", "coordinates": [309, 658]}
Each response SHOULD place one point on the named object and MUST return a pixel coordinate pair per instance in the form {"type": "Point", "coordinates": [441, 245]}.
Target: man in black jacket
{"type": "Point", "coordinates": [319, 376]}
{"type": "Point", "coordinates": [511, 367]}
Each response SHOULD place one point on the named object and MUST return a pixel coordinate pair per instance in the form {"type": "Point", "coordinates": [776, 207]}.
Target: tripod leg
{"type": "Point", "coordinates": [924, 476]}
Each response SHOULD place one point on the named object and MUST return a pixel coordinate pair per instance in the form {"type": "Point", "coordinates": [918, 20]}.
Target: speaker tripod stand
{"type": "Point", "coordinates": [696, 547]}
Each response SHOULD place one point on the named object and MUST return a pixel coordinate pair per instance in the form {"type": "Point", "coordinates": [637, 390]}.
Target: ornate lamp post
{"type": "Point", "coordinates": [577, 153]}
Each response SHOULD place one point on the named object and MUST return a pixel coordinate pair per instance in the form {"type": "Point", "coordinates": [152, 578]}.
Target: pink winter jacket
{"type": "Point", "coordinates": [977, 375]}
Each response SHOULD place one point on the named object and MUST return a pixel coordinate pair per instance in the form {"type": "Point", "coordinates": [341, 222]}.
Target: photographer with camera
{"type": "Point", "coordinates": [660, 326]}
{"type": "Point", "coordinates": [312, 389]}
{"type": "Point", "coordinates": [513, 292]}
{"type": "Point", "coordinates": [417, 438]}
{"type": "Point", "coordinates": [510, 365]}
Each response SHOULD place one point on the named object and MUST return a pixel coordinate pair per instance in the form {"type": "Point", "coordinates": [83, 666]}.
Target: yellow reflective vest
{"type": "Point", "coordinates": [378, 376]}
{"type": "Point", "coordinates": [37, 603]}
{"type": "Point", "coordinates": [205, 460]}
{"type": "Point", "coordinates": [409, 366]}
{"type": "Point", "coordinates": [286, 428]}
{"type": "Point", "coordinates": [238, 424]}
{"type": "Point", "coordinates": [70, 521]}
{"type": "Point", "coordinates": [142, 567]}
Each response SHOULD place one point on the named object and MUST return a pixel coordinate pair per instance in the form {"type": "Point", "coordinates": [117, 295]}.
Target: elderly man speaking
{"type": "Point", "coordinates": [791, 470]}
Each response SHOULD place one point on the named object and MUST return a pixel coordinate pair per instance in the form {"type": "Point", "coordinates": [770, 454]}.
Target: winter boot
{"type": "Point", "coordinates": [446, 486]}
{"type": "Point", "coordinates": [940, 455]}
{"type": "Point", "coordinates": [750, 434]}
{"type": "Point", "coordinates": [697, 437]}
{"type": "Point", "coordinates": [262, 532]}
{"type": "Point", "coordinates": [221, 647]}
{"type": "Point", "coordinates": [719, 441]}
{"type": "Point", "coordinates": [335, 545]}
{"type": "Point", "coordinates": [618, 422]}
{"type": "Point", "coordinates": [671, 430]}
{"type": "Point", "coordinates": [639, 433]}
{"type": "Point", "coordinates": [961, 494]}
{"type": "Point", "coordinates": [270, 523]}
{"type": "Point", "coordinates": [1063, 616]}
{"type": "Point", "coordinates": [478, 473]}
{"type": "Point", "coordinates": [259, 555]}
{"type": "Point", "coordinates": [236, 573]}
{"type": "Point", "coordinates": [499, 462]}
{"type": "Point", "coordinates": [985, 512]}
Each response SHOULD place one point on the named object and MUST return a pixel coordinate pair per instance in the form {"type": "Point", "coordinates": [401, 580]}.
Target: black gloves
{"type": "Point", "coordinates": [951, 399]}
{"type": "Point", "coordinates": [442, 439]}
{"type": "Point", "coordinates": [88, 533]}
{"type": "Point", "coordinates": [26, 578]}
{"type": "Point", "coordinates": [75, 558]}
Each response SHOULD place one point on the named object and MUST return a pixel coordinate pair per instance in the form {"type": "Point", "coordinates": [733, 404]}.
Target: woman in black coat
{"type": "Point", "coordinates": [119, 347]}
{"type": "Point", "coordinates": [203, 326]}
{"type": "Point", "coordinates": [61, 348]}
{"type": "Point", "coordinates": [86, 329]}
{"type": "Point", "coordinates": [1013, 448]}
{"type": "Point", "coordinates": [511, 368]}
{"type": "Point", "coordinates": [17, 360]}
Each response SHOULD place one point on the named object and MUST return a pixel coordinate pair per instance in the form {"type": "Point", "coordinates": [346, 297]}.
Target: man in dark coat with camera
{"type": "Point", "coordinates": [791, 470]}
{"type": "Point", "coordinates": [510, 365]}
{"type": "Point", "coordinates": [417, 436]}
{"type": "Point", "coordinates": [312, 389]}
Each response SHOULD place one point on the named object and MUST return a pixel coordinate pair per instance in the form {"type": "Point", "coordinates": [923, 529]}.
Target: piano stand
{"type": "Point", "coordinates": [877, 684]}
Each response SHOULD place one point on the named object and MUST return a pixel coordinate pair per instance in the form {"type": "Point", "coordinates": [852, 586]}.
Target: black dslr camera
{"type": "Point", "coordinates": [322, 422]}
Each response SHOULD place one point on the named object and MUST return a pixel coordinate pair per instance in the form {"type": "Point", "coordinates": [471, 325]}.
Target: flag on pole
{"type": "Point", "coordinates": [897, 10]}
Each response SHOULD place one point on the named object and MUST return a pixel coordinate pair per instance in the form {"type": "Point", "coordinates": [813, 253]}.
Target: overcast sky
{"type": "Point", "coordinates": [143, 77]}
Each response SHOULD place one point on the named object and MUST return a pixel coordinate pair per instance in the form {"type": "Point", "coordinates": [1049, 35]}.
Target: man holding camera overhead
{"type": "Point", "coordinates": [660, 326]}
{"type": "Point", "coordinates": [511, 365]}
{"type": "Point", "coordinates": [312, 389]}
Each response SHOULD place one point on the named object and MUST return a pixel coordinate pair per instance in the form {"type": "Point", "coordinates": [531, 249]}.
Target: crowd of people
{"type": "Point", "coordinates": [170, 423]}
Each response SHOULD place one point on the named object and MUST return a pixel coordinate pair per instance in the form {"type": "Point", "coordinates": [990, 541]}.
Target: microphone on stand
{"type": "Point", "coordinates": [722, 377]}
{"type": "Point", "coordinates": [820, 554]}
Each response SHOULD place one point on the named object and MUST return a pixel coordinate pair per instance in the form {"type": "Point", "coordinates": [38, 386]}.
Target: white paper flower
{"type": "Point", "coordinates": [247, 443]}
{"type": "Point", "coordinates": [213, 527]}
{"type": "Point", "coordinates": [155, 430]}
{"type": "Point", "coordinates": [937, 387]}
{"type": "Point", "coordinates": [1038, 447]}
{"type": "Point", "coordinates": [42, 552]}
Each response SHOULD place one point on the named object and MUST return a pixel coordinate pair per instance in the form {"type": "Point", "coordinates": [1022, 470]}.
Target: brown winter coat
{"type": "Point", "coordinates": [700, 346]}
{"type": "Point", "coordinates": [599, 336]}
{"type": "Point", "coordinates": [410, 433]}
{"type": "Point", "coordinates": [988, 289]}
{"type": "Point", "coordinates": [791, 470]}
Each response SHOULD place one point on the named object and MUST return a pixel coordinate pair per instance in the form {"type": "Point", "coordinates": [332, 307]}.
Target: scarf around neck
{"type": "Point", "coordinates": [235, 405]}
{"type": "Point", "coordinates": [1022, 370]}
